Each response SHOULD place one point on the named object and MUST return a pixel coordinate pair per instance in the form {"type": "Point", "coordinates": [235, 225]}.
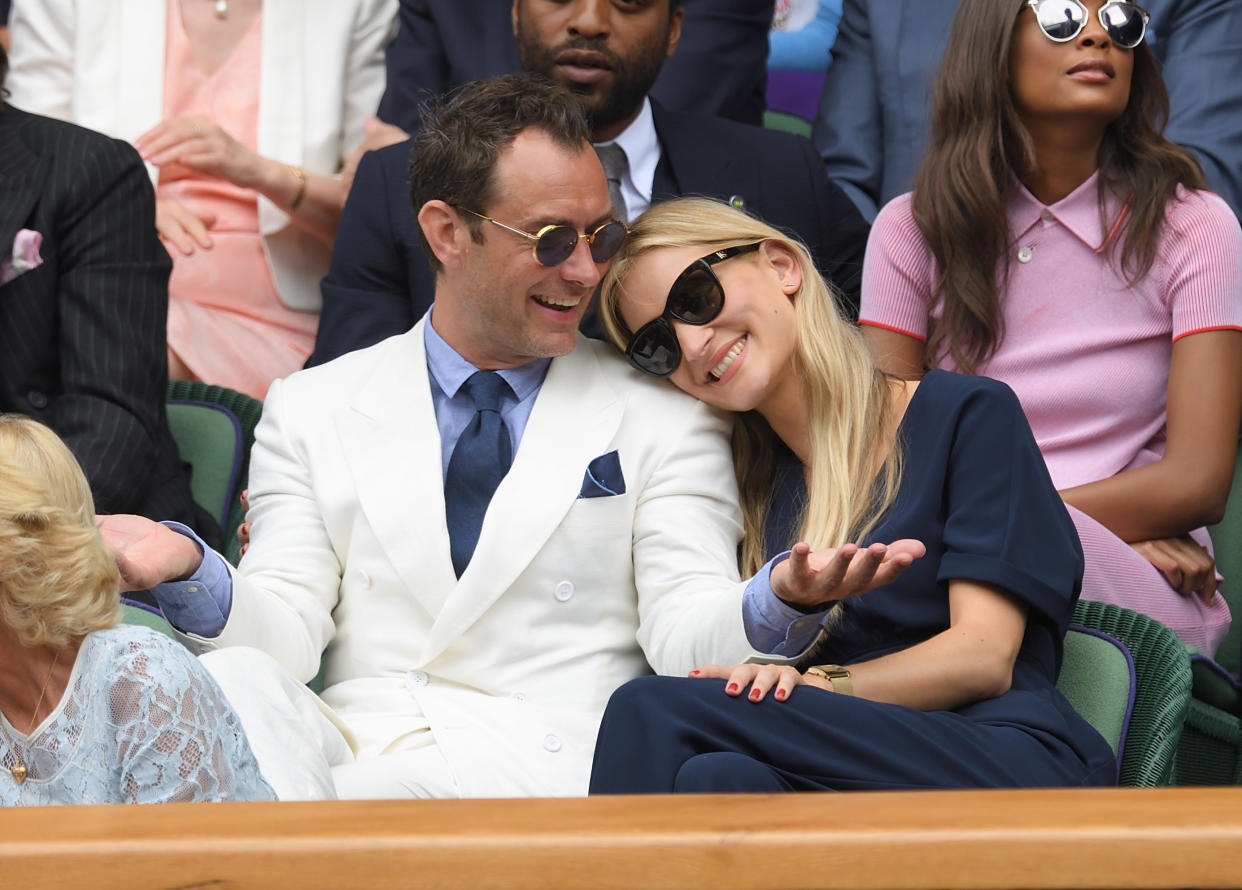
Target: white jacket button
{"type": "Point", "coordinates": [417, 678]}
{"type": "Point", "coordinates": [551, 743]}
{"type": "Point", "coordinates": [563, 591]}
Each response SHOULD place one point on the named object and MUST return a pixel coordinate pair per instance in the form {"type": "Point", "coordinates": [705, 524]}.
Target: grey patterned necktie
{"type": "Point", "coordinates": [612, 157]}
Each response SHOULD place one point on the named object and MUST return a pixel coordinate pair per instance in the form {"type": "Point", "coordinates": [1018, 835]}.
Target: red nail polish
{"type": "Point", "coordinates": [754, 695]}
{"type": "Point", "coordinates": [732, 687]}
{"type": "Point", "coordinates": [780, 693]}
{"type": "Point", "coordinates": [694, 673]}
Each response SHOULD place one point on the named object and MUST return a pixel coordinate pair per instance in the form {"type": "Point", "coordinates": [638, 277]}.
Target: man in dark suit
{"type": "Point", "coordinates": [720, 68]}
{"type": "Point", "coordinates": [379, 283]}
{"type": "Point", "coordinates": [83, 306]}
{"type": "Point", "coordinates": [873, 114]}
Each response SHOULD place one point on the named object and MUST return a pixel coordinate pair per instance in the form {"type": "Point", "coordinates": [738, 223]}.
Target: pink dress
{"type": "Point", "coordinates": [1087, 354]}
{"type": "Point", "coordinates": [226, 322]}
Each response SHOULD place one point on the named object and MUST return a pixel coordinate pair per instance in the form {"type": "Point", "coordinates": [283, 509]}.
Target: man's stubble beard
{"type": "Point", "coordinates": [630, 81]}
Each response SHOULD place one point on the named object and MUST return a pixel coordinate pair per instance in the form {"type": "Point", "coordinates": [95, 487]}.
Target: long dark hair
{"type": "Point", "coordinates": [977, 139]}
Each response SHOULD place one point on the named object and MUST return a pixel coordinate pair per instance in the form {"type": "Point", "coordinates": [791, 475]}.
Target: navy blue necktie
{"type": "Point", "coordinates": [480, 460]}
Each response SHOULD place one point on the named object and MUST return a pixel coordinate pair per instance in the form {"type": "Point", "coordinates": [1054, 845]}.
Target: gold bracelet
{"type": "Point", "coordinates": [837, 676]}
{"type": "Point", "coordinates": [300, 175]}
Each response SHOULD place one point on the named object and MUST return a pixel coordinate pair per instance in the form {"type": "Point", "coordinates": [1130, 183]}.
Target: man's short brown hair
{"type": "Point", "coordinates": [463, 134]}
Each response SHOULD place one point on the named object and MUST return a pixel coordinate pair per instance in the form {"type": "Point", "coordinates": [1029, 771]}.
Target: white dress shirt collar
{"type": "Point", "coordinates": [642, 155]}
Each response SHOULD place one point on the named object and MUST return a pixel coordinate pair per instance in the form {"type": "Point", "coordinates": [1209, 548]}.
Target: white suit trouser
{"type": "Point", "coordinates": [305, 750]}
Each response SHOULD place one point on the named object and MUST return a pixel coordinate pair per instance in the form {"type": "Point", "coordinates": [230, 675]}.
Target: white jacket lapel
{"type": "Point", "coordinates": [392, 447]}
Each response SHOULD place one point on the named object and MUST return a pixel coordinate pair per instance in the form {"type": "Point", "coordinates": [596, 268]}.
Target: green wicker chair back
{"type": "Point", "coordinates": [1227, 542]}
{"type": "Point", "coordinates": [1161, 691]}
{"type": "Point", "coordinates": [1210, 752]}
{"type": "Point", "coordinates": [214, 429]}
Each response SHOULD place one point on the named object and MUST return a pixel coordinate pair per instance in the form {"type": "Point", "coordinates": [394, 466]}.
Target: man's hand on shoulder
{"type": "Point", "coordinates": [146, 552]}
{"type": "Point", "coordinates": [808, 579]}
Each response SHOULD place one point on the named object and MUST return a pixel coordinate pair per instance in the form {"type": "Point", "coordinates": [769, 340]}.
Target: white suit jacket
{"type": "Point", "coordinates": [566, 598]}
{"type": "Point", "coordinates": [100, 64]}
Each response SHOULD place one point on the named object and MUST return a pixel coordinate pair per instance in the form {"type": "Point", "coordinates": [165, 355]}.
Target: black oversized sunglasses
{"type": "Point", "coordinates": [1063, 20]}
{"type": "Point", "coordinates": [696, 297]}
{"type": "Point", "coordinates": [555, 243]}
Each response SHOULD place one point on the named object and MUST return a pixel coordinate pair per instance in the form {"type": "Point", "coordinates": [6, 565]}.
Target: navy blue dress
{"type": "Point", "coordinates": [976, 492]}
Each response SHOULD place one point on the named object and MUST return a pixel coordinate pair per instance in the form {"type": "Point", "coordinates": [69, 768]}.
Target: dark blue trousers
{"type": "Point", "coordinates": [668, 734]}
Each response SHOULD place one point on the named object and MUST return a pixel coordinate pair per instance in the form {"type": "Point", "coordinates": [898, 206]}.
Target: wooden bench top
{"type": "Point", "coordinates": [1116, 838]}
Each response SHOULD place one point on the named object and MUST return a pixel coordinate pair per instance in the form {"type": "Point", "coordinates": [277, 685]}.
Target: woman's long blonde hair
{"type": "Point", "coordinates": [849, 397]}
{"type": "Point", "coordinates": [57, 579]}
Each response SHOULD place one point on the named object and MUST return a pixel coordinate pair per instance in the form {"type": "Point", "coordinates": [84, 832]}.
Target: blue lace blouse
{"type": "Point", "coordinates": [141, 721]}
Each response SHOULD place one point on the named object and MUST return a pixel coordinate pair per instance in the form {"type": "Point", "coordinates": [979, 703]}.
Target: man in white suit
{"type": "Point", "coordinates": [609, 545]}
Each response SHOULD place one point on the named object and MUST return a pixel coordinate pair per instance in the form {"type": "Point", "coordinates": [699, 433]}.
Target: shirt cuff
{"type": "Point", "coordinates": [772, 626]}
{"type": "Point", "coordinates": [201, 603]}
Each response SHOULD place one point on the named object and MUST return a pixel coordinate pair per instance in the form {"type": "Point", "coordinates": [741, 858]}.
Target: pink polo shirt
{"type": "Point", "coordinates": [1087, 354]}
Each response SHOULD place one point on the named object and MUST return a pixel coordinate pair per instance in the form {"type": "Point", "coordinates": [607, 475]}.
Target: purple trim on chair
{"type": "Point", "coordinates": [1125, 724]}
{"type": "Point", "coordinates": [1218, 669]}
{"type": "Point", "coordinates": [146, 607]}
{"type": "Point", "coordinates": [237, 452]}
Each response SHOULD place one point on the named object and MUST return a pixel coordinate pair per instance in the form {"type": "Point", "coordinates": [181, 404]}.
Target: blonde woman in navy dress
{"type": "Point", "coordinates": [943, 678]}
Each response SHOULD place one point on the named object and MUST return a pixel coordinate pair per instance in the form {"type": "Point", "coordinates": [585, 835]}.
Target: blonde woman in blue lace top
{"type": "Point", "coordinates": [92, 711]}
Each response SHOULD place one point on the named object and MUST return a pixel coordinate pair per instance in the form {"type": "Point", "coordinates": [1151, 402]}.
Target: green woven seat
{"type": "Point", "coordinates": [1096, 678]}
{"type": "Point", "coordinates": [214, 429]}
{"type": "Point", "coordinates": [1227, 542]}
{"type": "Point", "coordinates": [1211, 749]}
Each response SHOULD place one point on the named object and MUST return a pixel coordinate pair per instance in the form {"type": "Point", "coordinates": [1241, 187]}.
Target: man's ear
{"type": "Point", "coordinates": [444, 231]}
{"type": "Point", "coordinates": [674, 31]}
{"type": "Point", "coordinates": [785, 264]}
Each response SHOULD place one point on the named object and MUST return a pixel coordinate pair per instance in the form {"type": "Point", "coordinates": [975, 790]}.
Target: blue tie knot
{"type": "Point", "coordinates": [485, 388]}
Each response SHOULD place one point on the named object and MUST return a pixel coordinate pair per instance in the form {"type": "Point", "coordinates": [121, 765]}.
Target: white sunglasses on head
{"type": "Point", "coordinates": [1063, 20]}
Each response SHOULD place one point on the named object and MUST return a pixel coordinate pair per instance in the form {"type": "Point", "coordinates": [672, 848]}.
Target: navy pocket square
{"type": "Point", "coordinates": [603, 477]}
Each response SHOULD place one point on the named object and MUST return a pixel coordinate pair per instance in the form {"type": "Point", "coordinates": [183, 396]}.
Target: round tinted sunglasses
{"type": "Point", "coordinates": [1063, 20]}
{"type": "Point", "coordinates": [696, 297]}
{"type": "Point", "coordinates": [554, 244]}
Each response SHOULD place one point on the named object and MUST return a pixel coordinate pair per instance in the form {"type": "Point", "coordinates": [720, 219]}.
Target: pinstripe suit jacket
{"type": "Point", "coordinates": [82, 336]}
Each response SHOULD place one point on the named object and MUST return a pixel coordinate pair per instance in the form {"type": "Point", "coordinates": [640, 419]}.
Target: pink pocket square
{"type": "Point", "coordinates": [25, 255]}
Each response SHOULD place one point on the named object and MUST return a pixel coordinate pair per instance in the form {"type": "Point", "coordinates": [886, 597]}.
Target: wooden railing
{"type": "Point", "coordinates": [1114, 838]}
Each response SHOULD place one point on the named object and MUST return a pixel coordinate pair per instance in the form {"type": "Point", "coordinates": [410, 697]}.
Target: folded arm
{"type": "Point", "coordinates": [1187, 488]}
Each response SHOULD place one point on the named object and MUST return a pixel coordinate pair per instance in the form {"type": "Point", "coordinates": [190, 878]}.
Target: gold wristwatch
{"type": "Point", "coordinates": [838, 676]}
